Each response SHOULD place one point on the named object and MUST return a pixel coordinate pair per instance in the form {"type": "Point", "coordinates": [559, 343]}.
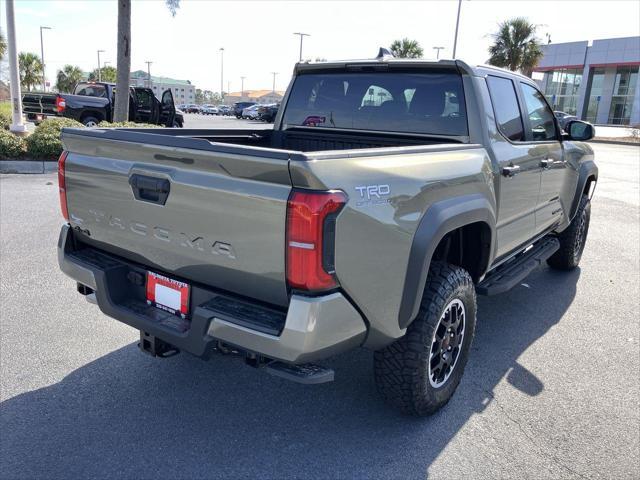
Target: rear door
{"type": "Point", "coordinates": [519, 181]}
{"type": "Point", "coordinates": [167, 109]}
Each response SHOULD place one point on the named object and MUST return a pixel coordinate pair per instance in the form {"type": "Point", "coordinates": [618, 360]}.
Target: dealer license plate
{"type": "Point", "coordinates": [168, 294]}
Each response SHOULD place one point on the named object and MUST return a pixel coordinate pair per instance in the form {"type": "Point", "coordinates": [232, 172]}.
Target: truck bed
{"type": "Point", "coordinates": [301, 139]}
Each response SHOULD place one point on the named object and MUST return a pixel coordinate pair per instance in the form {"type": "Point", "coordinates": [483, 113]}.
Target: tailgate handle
{"type": "Point", "coordinates": [150, 189]}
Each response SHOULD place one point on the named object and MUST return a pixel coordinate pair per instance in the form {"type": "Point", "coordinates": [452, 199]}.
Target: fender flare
{"type": "Point", "coordinates": [440, 218]}
{"type": "Point", "coordinates": [587, 169]}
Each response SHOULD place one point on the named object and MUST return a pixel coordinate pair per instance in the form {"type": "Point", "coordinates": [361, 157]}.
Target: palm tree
{"type": "Point", "coordinates": [107, 74]}
{"type": "Point", "coordinates": [515, 46]}
{"type": "Point", "coordinates": [67, 78]}
{"type": "Point", "coordinates": [406, 48]}
{"type": "Point", "coordinates": [121, 109]}
{"type": "Point", "coordinates": [3, 45]}
{"type": "Point", "coordinates": [30, 68]}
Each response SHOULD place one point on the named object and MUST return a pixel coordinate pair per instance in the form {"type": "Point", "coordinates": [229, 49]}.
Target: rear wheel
{"type": "Point", "coordinates": [573, 239]}
{"type": "Point", "coordinates": [419, 372]}
{"type": "Point", "coordinates": [90, 121]}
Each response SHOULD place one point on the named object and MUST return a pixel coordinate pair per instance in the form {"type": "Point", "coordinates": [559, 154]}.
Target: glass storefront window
{"type": "Point", "coordinates": [624, 90]}
{"type": "Point", "coordinates": [596, 81]}
{"type": "Point", "coordinates": [562, 89]}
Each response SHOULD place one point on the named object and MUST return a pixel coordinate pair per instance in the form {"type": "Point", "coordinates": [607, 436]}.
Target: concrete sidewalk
{"type": "Point", "coordinates": [610, 131]}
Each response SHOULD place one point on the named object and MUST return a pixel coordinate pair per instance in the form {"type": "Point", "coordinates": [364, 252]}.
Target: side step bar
{"type": "Point", "coordinates": [307, 373]}
{"type": "Point", "coordinates": [507, 276]}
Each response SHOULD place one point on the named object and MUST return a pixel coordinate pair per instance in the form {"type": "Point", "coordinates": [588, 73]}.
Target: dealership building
{"type": "Point", "coordinates": [597, 82]}
{"type": "Point", "coordinates": [183, 90]}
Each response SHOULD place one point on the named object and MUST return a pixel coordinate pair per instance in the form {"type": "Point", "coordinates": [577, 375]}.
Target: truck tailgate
{"type": "Point", "coordinates": [215, 218]}
{"type": "Point", "coordinates": [43, 103]}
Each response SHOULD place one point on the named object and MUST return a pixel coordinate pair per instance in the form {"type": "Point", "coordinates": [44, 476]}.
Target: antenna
{"type": "Point", "coordinates": [384, 53]}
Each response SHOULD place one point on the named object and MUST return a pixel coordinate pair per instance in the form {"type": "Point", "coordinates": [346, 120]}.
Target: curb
{"type": "Point", "coordinates": [28, 166]}
{"type": "Point", "coordinates": [613, 142]}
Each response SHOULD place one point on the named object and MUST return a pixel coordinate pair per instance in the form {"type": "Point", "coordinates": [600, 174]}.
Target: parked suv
{"type": "Point", "coordinates": [267, 113]}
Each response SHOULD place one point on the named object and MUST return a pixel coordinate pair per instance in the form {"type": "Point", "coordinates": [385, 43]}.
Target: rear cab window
{"type": "Point", "coordinates": [90, 90]}
{"type": "Point", "coordinates": [425, 102]}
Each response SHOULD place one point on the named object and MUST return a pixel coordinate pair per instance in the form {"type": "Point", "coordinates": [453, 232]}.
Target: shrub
{"type": "Point", "coordinates": [105, 124]}
{"type": "Point", "coordinates": [11, 146]}
{"type": "Point", "coordinates": [45, 142]}
{"type": "Point", "coordinates": [5, 115]}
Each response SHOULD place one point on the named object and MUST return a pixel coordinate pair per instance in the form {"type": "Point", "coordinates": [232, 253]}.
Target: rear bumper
{"type": "Point", "coordinates": [311, 329]}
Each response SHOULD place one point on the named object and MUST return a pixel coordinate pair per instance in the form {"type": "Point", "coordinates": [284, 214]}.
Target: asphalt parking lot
{"type": "Point", "coordinates": [195, 120]}
{"type": "Point", "coordinates": [551, 390]}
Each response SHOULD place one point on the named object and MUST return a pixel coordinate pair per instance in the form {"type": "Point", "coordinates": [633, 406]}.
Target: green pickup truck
{"type": "Point", "coordinates": [388, 194]}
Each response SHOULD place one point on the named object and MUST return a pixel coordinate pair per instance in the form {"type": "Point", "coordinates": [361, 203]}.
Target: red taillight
{"type": "Point", "coordinates": [61, 104]}
{"type": "Point", "coordinates": [310, 236]}
{"type": "Point", "coordinates": [62, 185]}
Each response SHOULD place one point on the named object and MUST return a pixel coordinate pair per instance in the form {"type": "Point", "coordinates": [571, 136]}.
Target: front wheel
{"type": "Point", "coordinates": [419, 372]}
{"type": "Point", "coordinates": [573, 239]}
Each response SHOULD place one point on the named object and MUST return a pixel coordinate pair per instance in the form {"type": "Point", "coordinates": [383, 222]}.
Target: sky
{"type": "Point", "coordinates": [258, 35]}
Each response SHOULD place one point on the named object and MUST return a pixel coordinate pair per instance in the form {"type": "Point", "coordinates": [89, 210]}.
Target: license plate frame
{"type": "Point", "coordinates": [168, 294]}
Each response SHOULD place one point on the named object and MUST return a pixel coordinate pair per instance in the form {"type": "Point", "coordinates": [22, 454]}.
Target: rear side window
{"type": "Point", "coordinates": [505, 104]}
{"type": "Point", "coordinates": [405, 102]}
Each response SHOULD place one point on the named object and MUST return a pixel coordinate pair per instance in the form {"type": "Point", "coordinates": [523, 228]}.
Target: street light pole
{"type": "Point", "coordinates": [148, 73]}
{"type": "Point", "coordinates": [242, 88]}
{"type": "Point", "coordinates": [437, 49]}
{"type": "Point", "coordinates": [222, 73]}
{"type": "Point", "coordinates": [99, 71]}
{"type": "Point", "coordinates": [44, 80]}
{"type": "Point", "coordinates": [455, 39]}
{"type": "Point", "coordinates": [16, 98]}
{"type": "Point", "coordinates": [274, 80]}
{"type": "Point", "coordinates": [302, 35]}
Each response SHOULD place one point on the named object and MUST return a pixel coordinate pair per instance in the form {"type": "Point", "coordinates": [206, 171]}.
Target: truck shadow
{"type": "Point", "coordinates": [127, 415]}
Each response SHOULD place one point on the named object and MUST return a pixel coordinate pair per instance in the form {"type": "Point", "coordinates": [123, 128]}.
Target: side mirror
{"type": "Point", "coordinates": [579, 130]}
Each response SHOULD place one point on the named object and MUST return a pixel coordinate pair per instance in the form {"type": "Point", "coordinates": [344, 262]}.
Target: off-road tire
{"type": "Point", "coordinates": [573, 239]}
{"type": "Point", "coordinates": [402, 369]}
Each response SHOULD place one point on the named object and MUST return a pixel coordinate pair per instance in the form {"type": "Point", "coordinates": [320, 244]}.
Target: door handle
{"type": "Point", "coordinates": [511, 170]}
{"type": "Point", "coordinates": [150, 189]}
{"type": "Point", "coordinates": [547, 162]}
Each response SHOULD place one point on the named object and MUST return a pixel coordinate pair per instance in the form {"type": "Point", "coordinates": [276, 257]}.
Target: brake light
{"type": "Point", "coordinates": [62, 186]}
{"type": "Point", "coordinates": [61, 104]}
{"type": "Point", "coordinates": [310, 238]}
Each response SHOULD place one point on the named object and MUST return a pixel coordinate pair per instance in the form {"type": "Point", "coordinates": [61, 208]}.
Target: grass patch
{"type": "Point", "coordinates": [5, 115]}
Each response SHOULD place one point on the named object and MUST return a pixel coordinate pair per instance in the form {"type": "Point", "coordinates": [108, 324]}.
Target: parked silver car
{"type": "Point", "coordinates": [251, 113]}
{"type": "Point", "coordinates": [209, 110]}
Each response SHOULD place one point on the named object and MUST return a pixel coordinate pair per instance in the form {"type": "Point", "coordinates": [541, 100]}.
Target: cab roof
{"type": "Point", "coordinates": [388, 61]}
